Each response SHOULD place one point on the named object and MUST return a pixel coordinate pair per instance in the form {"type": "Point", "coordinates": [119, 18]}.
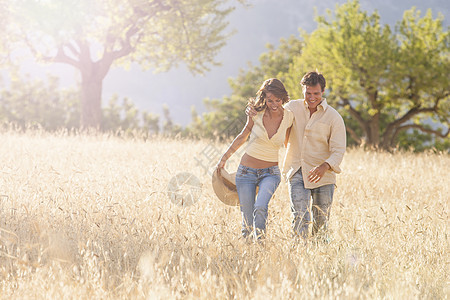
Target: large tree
{"type": "Point", "coordinates": [91, 36]}
{"type": "Point", "coordinates": [386, 81]}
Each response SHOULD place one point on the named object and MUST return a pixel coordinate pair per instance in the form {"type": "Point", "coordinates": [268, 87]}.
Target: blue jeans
{"type": "Point", "coordinates": [254, 213]}
{"type": "Point", "coordinates": [322, 198]}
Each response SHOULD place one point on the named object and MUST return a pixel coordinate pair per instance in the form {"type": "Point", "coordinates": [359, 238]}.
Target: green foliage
{"type": "Point", "coordinates": [39, 103]}
{"type": "Point", "coordinates": [156, 34]}
{"type": "Point", "coordinates": [150, 122]}
{"type": "Point", "coordinates": [418, 141]}
{"type": "Point", "coordinates": [169, 128]}
{"type": "Point", "coordinates": [123, 116]}
{"type": "Point", "coordinates": [226, 117]}
{"type": "Point", "coordinates": [385, 82]}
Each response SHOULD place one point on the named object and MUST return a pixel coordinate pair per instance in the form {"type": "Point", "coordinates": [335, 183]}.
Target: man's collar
{"type": "Point", "coordinates": [323, 104]}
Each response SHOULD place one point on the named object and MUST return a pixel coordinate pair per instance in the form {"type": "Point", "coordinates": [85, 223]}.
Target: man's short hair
{"type": "Point", "coordinates": [313, 78]}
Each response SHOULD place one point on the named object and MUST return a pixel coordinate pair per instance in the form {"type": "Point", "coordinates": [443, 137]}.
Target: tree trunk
{"type": "Point", "coordinates": [374, 137]}
{"type": "Point", "coordinates": [374, 122]}
{"type": "Point", "coordinates": [91, 101]}
{"type": "Point", "coordinates": [92, 75]}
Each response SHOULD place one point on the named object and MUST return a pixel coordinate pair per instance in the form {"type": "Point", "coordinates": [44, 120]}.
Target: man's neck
{"type": "Point", "coordinates": [312, 110]}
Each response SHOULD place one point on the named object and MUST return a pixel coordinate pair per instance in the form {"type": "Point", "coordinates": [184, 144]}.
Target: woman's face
{"type": "Point", "coordinates": [273, 103]}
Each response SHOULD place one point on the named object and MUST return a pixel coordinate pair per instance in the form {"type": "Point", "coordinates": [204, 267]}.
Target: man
{"type": "Point", "coordinates": [315, 149]}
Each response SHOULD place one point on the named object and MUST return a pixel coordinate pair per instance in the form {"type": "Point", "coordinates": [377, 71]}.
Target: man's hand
{"type": "Point", "coordinates": [316, 173]}
{"type": "Point", "coordinates": [250, 111]}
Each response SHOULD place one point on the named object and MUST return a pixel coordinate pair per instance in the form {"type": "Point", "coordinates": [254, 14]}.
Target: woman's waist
{"type": "Point", "coordinates": [268, 154]}
{"type": "Point", "coordinates": [253, 162]}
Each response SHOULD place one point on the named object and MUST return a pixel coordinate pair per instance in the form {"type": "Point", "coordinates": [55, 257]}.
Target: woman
{"type": "Point", "coordinates": [259, 164]}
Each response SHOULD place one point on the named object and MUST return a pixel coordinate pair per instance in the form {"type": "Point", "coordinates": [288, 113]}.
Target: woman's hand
{"type": "Point", "coordinates": [221, 164]}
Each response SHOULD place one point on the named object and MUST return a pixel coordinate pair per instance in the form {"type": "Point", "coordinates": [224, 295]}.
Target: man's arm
{"type": "Point", "coordinates": [338, 141]}
{"type": "Point", "coordinates": [337, 144]}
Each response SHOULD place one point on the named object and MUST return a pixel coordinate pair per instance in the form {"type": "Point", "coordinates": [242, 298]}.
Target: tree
{"type": "Point", "coordinates": [150, 122]}
{"type": "Point", "coordinates": [91, 36]}
{"type": "Point", "coordinates": [169, 127]}
{"type": "Point", "coordinates": [122, 117]}
{"type": "Point", "coordinates": [39, 103]}
{"type": "Point", "coordinates": [386, 81]}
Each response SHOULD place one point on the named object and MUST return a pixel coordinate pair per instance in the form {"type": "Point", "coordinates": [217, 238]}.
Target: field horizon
{"type": "Point", "coordinates": [94, 216]}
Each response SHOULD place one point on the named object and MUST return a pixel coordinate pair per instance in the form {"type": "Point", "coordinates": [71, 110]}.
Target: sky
{"type": "Point", "coordinates": [265, 21]}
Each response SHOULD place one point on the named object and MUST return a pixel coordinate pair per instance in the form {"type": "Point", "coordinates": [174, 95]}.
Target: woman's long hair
{"type": "Point", "coordinates": [272, 85]}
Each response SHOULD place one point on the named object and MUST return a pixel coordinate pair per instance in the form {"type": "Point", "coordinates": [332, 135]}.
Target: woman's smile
{"type": "Point", "coordinates": [272, 102]}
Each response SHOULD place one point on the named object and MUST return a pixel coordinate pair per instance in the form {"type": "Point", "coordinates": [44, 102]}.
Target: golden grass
{"type": "Point", "coordinates": [90, 217]}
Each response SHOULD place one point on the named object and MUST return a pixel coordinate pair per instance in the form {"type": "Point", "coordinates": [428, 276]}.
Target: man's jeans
{"type": "Point", "coordinates": [301, 202]}
{"type": "Point", "coordinates": [254, 213]}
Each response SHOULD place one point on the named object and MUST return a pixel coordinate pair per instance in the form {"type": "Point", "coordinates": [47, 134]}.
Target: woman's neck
{"type": "Point", "coordinates": [274, 114]}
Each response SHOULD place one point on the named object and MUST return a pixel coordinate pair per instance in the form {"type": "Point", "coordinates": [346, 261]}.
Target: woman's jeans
{"type": "Point", "coordinates": [254, 213]}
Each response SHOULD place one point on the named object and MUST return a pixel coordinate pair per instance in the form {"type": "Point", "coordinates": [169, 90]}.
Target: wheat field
{"type": "Point", "coordinates": [90, 217]}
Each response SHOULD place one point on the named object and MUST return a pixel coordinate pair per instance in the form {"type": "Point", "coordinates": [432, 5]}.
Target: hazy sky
{"type": "Point", "coordinates": [266, 21]}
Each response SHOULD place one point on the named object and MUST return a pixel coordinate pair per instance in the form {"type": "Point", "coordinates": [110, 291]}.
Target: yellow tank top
{"type": "Point", "coordinates": [259, 145]}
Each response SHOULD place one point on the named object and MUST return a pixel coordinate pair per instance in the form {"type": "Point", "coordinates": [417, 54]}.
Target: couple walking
{"type": "Point", "coordinates": [314, 134]}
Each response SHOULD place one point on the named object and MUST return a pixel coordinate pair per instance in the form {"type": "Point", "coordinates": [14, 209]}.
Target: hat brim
{"type": "Point", "coordinates": [224, 186]}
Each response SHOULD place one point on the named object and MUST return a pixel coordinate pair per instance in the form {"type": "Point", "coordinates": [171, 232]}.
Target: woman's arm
{"type": "Point", "coordinates": [237, 142]}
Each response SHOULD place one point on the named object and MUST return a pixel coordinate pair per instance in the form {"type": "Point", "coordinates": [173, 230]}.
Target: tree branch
{"type": "Point", "coordinates": [354, 113]}
{"type": "Point", "coordinates": [72, 49]}
{"type": "Point", "coordinates": [421, 128]}
{"type": "Point", "coordinates": [353, 135]}
{"type": "Point", "coordinates": [391, 129]}
{"type": "Point", "coordinates": [110, 56]}
{"type": "Point", "coordinates": [141, 16]}
{"type": "Point", "coordinates": [61, 57]}
{"type": "Point", "coordinates": [85, 52]}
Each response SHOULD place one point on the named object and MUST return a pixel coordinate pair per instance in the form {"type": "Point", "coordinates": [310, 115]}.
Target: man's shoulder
{"type": "Point", "coordinates": [333, 115]}
{"type": "Point", "coordinates": [331, 110]}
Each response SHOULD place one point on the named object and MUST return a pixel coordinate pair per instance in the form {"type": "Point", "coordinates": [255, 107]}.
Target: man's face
{"type": "Point", "coordinates": [313, 95]}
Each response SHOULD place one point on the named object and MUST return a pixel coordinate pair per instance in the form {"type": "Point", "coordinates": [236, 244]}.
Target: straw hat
{"type": "Point", "coordinates": [224, 185]}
